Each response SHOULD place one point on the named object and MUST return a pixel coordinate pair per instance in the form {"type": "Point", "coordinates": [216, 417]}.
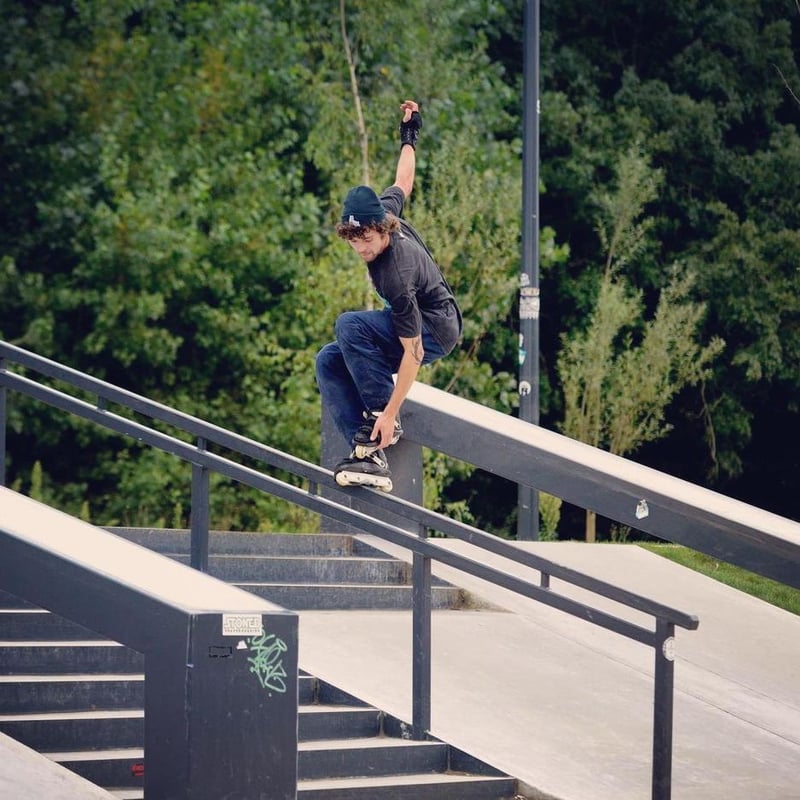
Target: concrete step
{"type": "Point", "coordinates": [440, 786]}
{"type": "Point", "coordinates": [306, 569]}
{"type": "Point", "coordinates": [408, 787]}
{"type": "Point", "coordinates": [235, 542]}
{"type": "Point", "coordinates": [21, 694]}
{"type": "Point", "coordinates": [68, 657]}
{"type": "Point", "coordinates": [75, 730]}
{"type": "Point", "coordinates": [303, 571]}
{"type": "Point", "coordinates": [317, 760]}
{"type": "Point", "coordinates": [95, 729]}
{"type": "Point", "coordinates": [38, 624]}
{"type": "Point", "coordinates": [312, 691]}
{"type": "Point", "coordinates": [335, 597]}
{"type": "Point", "coordinates": [121, 767]}
{"type": "Point", "coordinates": [338, 722]}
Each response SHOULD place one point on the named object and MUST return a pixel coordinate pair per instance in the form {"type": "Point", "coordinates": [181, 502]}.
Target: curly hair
{"type": "Point", "coordinates": [389, 224]}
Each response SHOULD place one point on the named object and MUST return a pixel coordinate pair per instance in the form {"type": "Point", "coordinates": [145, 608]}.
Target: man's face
{"type": "Point", "coordinates": [370, 245]}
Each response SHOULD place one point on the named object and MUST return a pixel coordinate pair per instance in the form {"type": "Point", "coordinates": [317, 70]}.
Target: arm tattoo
{"type": "Point", "coordinates": [417, 351]}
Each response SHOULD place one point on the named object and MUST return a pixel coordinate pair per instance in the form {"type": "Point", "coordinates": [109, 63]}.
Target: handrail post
{"type": "Point", "coordinates": [3, 423]}
{"type": "Point", "coordinates": [421, 625]}
{"type": "Point", "coordinates": [662, 709]}
{"type": "Point", "coordinates": [199, 514]}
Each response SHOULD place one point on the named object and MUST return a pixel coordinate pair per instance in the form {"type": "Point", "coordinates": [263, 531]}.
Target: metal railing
{"type": "Point", "coordinates": [358, 508]}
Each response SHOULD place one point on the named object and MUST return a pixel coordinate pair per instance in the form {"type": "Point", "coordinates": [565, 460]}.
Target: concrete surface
{"type": "Point", "coordinates": [566, 706]}
{"type": "Point", "coordinates": [26, 775]}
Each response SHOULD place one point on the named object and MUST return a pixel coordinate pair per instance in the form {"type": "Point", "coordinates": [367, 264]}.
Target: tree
{"type": "Point", "coordinates": [172, 174]}
{"type": "Point", "coordinates": [197, 263]}
{"type": "Point", "coordinates": [621, 372]}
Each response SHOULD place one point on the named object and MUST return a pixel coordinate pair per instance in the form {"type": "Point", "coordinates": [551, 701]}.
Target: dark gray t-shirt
{"type": "Point", "coordinates": [411, 283]}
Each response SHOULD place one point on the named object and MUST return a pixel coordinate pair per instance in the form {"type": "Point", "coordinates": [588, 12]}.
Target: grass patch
{"type": "Point", "coordinates": [778, 594]}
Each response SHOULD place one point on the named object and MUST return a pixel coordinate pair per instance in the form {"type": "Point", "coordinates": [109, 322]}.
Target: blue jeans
{"type": "Point", "coordinates": [354, 373]}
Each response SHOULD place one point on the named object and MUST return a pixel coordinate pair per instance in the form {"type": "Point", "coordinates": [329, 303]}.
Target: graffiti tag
{"type": "Point", "coordinates": [267, 663]}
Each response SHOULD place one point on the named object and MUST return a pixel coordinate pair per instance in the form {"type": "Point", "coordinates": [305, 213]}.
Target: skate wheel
{"type": "Point", "coordinates": [346, 478]}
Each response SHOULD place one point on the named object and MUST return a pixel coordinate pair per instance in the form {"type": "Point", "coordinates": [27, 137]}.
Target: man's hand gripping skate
{"type": "Point", "coordinates": [383, 429]}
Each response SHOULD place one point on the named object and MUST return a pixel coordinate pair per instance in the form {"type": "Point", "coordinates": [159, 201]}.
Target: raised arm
{"type": "Point", "coordinates": [407, 162]}
{"type": "Point", "coordinates": [406, 169]}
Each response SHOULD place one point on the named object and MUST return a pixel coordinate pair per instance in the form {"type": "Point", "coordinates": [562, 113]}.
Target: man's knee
{"type": "Point", "coordinates": [346, 325]}
{"type": "Point", "coordinates": [326, 358]}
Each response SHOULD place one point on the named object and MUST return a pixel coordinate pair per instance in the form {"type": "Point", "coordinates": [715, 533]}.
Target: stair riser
{"type": "Point", "coordinates": [24, 698]}
{"type": "Point", "coordinates": [372, 761]}
{"type": "Point", "coordinates": [318, 764]}
{"type": "Point", "coordinates": [477, 789]}
{"type": "Point", "coordinates": [69, 660]}
{"type": "Point", "coordinates": [40, 697]}
{"type": "Point", "coordinates": [103, 733]}
{"type": "Point", "coordinates": [76, 734]}
{"type": "Point", "coordinates": [268, 544]}
{"type": "Point", "coordinates": [357, 723]}
{"type": "Point", "coordinates": [351, 598]}
{"type": "Point", "coordinates": [120, 773]}
{"type": "Point", "coordinates": [41, 626]}
{"type": "Point", "coordinates": [314, 692]}
{"type": "Point", "coordinates": [43, 696]}
{"type": "Point", "coordinates": [306, 570]}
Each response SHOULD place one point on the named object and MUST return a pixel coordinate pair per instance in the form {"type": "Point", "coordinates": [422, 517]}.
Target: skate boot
{"type": "Point", "coordinates": [371, 470]}
{"type": "Point", "coordinates": [363, 445]}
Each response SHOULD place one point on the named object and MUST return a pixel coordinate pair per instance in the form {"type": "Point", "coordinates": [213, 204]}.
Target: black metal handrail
{"type": "Point", "coordinates": [358, 509]}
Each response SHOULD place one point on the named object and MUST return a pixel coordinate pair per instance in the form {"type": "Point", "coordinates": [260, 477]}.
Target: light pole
{"type": "Point", "coordinates": [528, 498]}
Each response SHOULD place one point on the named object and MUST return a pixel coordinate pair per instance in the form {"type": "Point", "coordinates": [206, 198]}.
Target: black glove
{"type": "Point", "coordinates": [409, 131]}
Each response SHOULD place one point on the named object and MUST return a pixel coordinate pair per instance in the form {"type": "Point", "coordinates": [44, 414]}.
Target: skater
{"type": "Point", "coordinates": [420, 321]}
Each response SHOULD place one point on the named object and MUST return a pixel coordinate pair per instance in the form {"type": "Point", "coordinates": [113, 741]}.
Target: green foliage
{"type": "Point", "coordinates": [778, 594]}
{"type": "Point", "coordinates": [172, 172]}
{"type": "Point", "coordinates": [621, 372]}
{"type": "Point", "coordinates": [649, 376]}
{"type": "Point", "coordinates": [549, 516]}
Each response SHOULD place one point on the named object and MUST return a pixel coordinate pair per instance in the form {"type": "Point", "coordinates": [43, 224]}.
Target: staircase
{"type": "Point", "coordinates": [78, 698]}
{"type": "Point", "coordinates": [303, 571]}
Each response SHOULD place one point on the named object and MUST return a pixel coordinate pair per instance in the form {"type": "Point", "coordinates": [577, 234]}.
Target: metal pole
{"type": "Point", "coordinates": [3, 423]}
{"type": "Point", "coordinates": [662, 709]}
{"type": "Point", "coordinates": [528, 498]}
{"type": "Point", "coordinates": [421, 668]}
{"type": "Point", "coordinates": [199, 514]}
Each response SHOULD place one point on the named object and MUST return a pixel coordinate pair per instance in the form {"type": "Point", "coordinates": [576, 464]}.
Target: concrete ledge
{"type": "Point", "coordinates": [27, 775]}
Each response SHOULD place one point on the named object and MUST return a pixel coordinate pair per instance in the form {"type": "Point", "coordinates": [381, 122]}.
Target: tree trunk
{"type": "Point", "coordinates": [591, 526]}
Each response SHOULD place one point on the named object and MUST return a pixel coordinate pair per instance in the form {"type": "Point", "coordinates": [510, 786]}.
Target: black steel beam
{"type": "Point", "coordinates": [614, 487]}
{"type": "Point", "coordinates": [220, 663]}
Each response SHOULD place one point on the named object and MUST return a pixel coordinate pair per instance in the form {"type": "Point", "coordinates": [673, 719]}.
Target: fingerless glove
{"type": "Point", "coordinates": [409, 131]}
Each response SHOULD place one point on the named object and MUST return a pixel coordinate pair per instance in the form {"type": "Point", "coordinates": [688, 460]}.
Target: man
{"type": "Point", "coordinates": [420, 322]}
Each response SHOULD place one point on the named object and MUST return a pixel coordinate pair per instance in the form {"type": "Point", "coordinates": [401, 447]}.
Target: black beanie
{"type": "Point", "coordinates": [362, 207]}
